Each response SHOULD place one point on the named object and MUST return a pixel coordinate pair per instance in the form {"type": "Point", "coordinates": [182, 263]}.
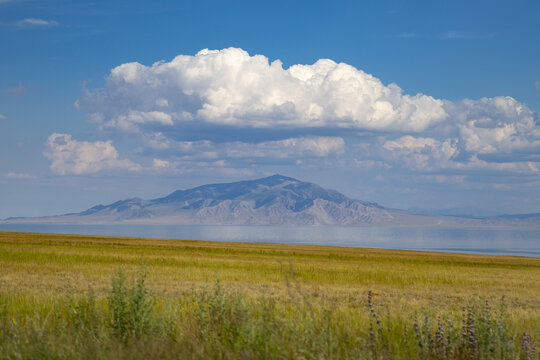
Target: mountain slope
{"type": "Point", "coordinates": [274, 200]}
{"type": "Point", "coordinates": [268, 201]}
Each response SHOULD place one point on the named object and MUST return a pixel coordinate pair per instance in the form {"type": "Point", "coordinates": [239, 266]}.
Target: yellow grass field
{"type": "Point", "coordinates": [42, 267]}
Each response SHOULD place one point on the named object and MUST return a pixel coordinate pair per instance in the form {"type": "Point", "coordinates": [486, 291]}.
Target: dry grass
{"type": "Point", "coordinates": [42, 264]}
{"type": "Point", "coordinates": [38, 270]}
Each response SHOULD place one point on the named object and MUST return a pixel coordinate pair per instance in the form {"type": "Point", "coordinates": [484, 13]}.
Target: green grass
{"type": "Point", "coordinates": [197, 299]}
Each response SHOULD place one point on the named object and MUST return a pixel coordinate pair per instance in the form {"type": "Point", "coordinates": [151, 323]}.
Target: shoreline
{"type": "Point", "coordinates": [276, 245]}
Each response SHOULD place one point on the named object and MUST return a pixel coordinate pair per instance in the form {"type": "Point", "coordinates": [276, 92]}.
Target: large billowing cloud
{"type": "Point", "coordinates": [69, 156]}
{"type": "Point", "coordinates": [230, 87]}
{"type": "Point", "coordinates": [305, 113]}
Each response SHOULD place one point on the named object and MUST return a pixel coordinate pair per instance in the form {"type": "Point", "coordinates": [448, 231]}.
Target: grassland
{"type": "Point", "coordinates": [242, 300]}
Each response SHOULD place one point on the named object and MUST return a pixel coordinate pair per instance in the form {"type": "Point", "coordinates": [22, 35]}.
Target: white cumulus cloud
{"type": "Point", "coordinates": [69, 156]}
{"type": "Point", "coordinates": [496, 125]}
{"type": "Point", "coordinates": [231, 87]}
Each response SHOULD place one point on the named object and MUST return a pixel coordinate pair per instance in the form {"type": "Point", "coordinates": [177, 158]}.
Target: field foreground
{"type": "Point", "coordinates": [71, 296]}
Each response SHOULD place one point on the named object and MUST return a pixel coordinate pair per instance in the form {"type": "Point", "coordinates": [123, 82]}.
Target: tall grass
{"type": "Point", "coordinates": [220, 322]}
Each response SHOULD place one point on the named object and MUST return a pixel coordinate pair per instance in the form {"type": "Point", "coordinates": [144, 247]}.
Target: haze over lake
{"type": "Point", "coordinates": [512, 242]}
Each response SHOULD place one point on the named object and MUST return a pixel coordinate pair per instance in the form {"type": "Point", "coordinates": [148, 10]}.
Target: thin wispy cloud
{"type": "Point", "coordinates": [13, 175]}
{"type": "Point", "coordinates": [36, 23]}
{"type": "Point", "coordinates": [2, 117]}
{"type": "Point", "coordinates": [406, 35]}
{"type": "Point", "coordinates": [537, 84]}
{"type": "Point", "coordinates": [467, 35]}
{"type": "Point", "coordinates": [18, 91]}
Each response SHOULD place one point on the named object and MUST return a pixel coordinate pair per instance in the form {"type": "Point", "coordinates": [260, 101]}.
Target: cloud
{"type": "Point", "coordinates": [445, 179]}
{"type": "Point", "coordinates": [160, 164]}
{"type": "Point", "coordinates": [2, 117]}
{"type": "Point", "coordinates": [313, 151]}
{"type": "Point", "coordinates": [406, 35]}
{"type": "Point", "coordinates": [422, 153]}
{"type": "Point", "coordinates": [428, 155]}
{"type": "Point", "coordinates": [13, 175]}
{"type": "Point", "coordinates": [467, 35]}
{"type": "Point", "coordinates": [305, 146]}
{"type": "Point", "coordinates": [36, 23]}
{"type": "Point", "coordinates": [520, 167]}
{"type": "Point", "coordinates": [17, 91]}
{"type": "Point", "coordinates": [288, 148]}
{"type": "Point", "coordinates": [236, 158]}
{"type": "Point", "coordinates": [134, 119]}
{"type": "Point", "coordinates": [201, 168]}
{"type": "Point", "coordinates": [69, 156]}
{"type": "Point", "coordinates": [11, 1]}
{"type": "Point", "coordinates": [229, 87]}
{"type": "Point", "coordinates": [537, 84]}
{"type": "Point", "coordinates": [499, 125]}
{"type": "Point", "coordinates": [228, 109]}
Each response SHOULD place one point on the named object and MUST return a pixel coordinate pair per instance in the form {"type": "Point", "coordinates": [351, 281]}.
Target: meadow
{"type": "Point", "coordinates": [71, 296]}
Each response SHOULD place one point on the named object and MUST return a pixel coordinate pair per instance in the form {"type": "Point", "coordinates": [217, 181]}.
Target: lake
{"type": "Point", "coordinates": [521, 242]}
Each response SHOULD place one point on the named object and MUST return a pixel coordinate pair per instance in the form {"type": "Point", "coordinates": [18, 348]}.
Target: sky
{"type": "Point", "coordinates": [419, 104]}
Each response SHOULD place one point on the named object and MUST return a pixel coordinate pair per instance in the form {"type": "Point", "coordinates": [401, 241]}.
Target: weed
{"type": "Point", "coordinates": [130, 306]}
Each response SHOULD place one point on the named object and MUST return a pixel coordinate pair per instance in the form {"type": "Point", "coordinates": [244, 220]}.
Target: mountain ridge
{"type": "Point", "coordinates": [272, 200]}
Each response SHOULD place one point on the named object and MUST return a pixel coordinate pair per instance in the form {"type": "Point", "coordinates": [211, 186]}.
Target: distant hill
{"type": "Point", "coordinates": [274, 200]}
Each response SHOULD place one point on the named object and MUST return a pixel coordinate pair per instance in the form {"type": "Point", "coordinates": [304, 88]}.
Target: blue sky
{"type": "Point", "coordinates": [426, 104]}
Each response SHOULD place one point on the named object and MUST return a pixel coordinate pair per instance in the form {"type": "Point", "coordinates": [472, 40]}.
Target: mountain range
{"type": "Point", "coordinates": [274, 200]}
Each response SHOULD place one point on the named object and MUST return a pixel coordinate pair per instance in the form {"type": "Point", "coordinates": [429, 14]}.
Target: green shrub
{"type": "Point", "coordinates": [130, 305]}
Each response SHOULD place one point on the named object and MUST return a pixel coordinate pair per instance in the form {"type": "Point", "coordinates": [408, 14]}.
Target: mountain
{"type": "Point", "coordinates": [268, 201]}
{"type": "Point", "coordinates": [274, 200]}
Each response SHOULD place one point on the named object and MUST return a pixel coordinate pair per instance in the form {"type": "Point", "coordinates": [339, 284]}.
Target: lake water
{"type": "Point", "coordinates": [474, 241]}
